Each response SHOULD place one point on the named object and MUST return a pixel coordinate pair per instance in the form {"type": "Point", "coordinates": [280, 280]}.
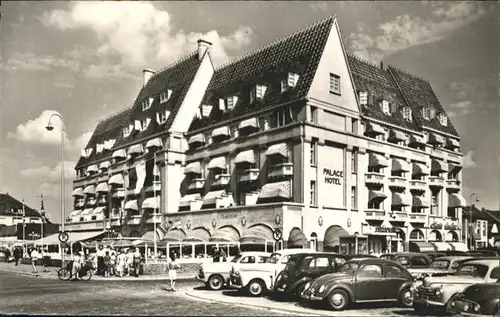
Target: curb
{"type": "Point", "coordinates": [42, 275]}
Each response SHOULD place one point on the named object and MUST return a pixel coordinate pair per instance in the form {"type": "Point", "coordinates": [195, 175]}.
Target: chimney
{"type": "Point", "coordinates": [382, 65]}
{"type": "Point", "coordinates": [203, 46]}
{"type": "Point", "coordinates": [146, 75]}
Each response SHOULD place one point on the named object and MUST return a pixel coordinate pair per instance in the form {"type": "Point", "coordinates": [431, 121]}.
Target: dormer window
{"type": "Point", "coordinates": [443, 119]}
{"type": "Point", "coordinates": [289, 82]}
{"type": "Point", "coordinates": [363, 98]}
{"type": "Point", "coordinates": [257, 92]}
{"type": "Point", "coordinates": [205, 111]}
{"type": "Point", "coordinates": [426, 113]}
{"type": "Point", "coordinates": [165, 95]}
{"type": "Point", "coordinates": [126, 131]}
{"type": "Point", "coordinates": [386, 107]}
{"type": "Point", "coordinates": [432, 113]}
{"type": "Point", "coordinates": [334, 84]}
{"type": "Point", "coordinates": [162, 116]}
{"type": "Point", "coordinates": [87, 152]}
{"type": "Point", "coordinates": [109, 144]}
{"type": "Point", "coordinates": [406, 112]}
{"type": "Point", "coordinates": [146, 103]}
{"type": "Point", "coordinates": [228, 102]}
{"type": "Point", "coordinates": [99, 147]}
{"type": "Point", "coordinates": [144, 124]}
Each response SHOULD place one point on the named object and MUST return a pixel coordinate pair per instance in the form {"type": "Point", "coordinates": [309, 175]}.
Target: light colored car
{"type": "Point", "coordinates": [435, 292]}
{"type": "Point", "coordinates": [258, 279]}
{"type": "Point", "coordinates": [439, 266]}
{"type": "Point", "coordinates": [215, 275]}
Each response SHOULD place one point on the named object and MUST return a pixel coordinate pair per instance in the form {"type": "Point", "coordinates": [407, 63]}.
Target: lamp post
{"type": "Point", "coordinates": [49, 127]}
{"type": "Point", "coordinates": [469, 232]}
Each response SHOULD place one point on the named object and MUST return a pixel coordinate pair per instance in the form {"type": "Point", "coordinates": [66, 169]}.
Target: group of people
{"type": "Point", "coordinates": [35, 255]}
{"type": "Point", "coordinates": [107, 261]}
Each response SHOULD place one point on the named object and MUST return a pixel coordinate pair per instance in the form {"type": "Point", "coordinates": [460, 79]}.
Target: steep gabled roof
{"type": "Point", "coordinates": [298, 53]}
{"type": "Point", "coordinates": [8, 204]}
{"type": "Point", "coordinates": [380, 84]}
{"type": "Point", "coordinates": [419, 93]}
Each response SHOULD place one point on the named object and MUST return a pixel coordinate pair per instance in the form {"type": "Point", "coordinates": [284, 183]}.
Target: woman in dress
{"type": "Point", "coordinates": [172, 272]}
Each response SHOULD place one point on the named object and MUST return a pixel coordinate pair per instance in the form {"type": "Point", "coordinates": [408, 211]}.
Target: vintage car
{"type": "Point", "coordinates": [303, 268]}
{"type": "Point", "coordinates": [216, 274]}
{"type": "Point", "coordinates": [359, 256]}
{"type": "Point", "coordinates": [434, 293]}
{"type": "Point", "coordinates": [440, 266]}
{"type": "Point", "coordinates": [476, 300]}
{"type": "Point", "coordinates": [258, 280]}
{"type": "Point", "coordinates": [361, 281]}
{"type": "Point", "coordinates": [410, 260]}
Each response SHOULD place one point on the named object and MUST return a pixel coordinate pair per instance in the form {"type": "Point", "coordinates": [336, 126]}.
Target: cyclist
{"type": "Point", "coordinates": [78, 261]}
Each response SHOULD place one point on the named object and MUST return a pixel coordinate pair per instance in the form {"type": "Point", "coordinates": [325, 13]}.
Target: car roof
{"type": "Point", "coordinates": [453, 258]}
{"type": "Point", "coordinates": [484, 261]}
{"type": "Point", "coordinates": [370, 261]}
{"type": "Point", "coordinates": [259, 253]}
{"type": "Point", "coordinates": [294, 251]}
{"type": "Point", "coordinates": [410, 254]}
{"type": "Point", "coordinates": [315, 253]}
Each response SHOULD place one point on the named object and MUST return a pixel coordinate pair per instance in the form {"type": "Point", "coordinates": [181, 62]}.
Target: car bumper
{"type": "Point", "coordinates": [427, 302]}
{"type": "Point", "coordinates": [235, 282]}
{"type": "Point", "coordinates": [311, 297]}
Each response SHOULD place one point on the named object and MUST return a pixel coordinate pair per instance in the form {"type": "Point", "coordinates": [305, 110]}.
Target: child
{"type": "Point", "coordinates": [172, 273]}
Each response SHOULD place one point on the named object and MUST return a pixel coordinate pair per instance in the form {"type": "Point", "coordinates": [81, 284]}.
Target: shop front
{"type": "Point", "coordinates": [384, 238]}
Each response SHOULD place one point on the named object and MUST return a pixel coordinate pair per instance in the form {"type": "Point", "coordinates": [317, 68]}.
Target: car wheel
{"type": "Point", "coordinates": [406, 298]}
{"type": "Point", "coordinates": [215, 282]}
{"type": "Point", "coordinates": [300, 290]}
{"type": "Point", "coordinates": [338, 300]}
{"type": "Point", "coordinates": [256, 288]}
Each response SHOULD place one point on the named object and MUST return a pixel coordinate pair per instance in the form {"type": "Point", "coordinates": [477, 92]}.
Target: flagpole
{"type": "Point", "coordinates": [154, 214]}
{"type": "Point", "coordinates": [24, 230]}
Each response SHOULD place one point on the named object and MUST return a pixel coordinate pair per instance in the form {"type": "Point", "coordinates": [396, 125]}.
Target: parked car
{"type": "Point", "coordinates": [258, 280]}
{"type": "Point", "coordinates": [215, 275]}
{"type": "Point", "coordinates": [360, 281]}
{"type": "Point", "coordinates": [440, 266]}
{"type": "Point", "coordinates": [484, 252]}
{"type": "Point", "coordinates": [434, 255]}
{"type": "Point", "coordinates": [434, 293]}
{"type": "Point", "coordinates": [360, 256]}
{"type": "Point", "coordinates": [303, 268]}
{"type": "Point", "coordinates": [477, 299]}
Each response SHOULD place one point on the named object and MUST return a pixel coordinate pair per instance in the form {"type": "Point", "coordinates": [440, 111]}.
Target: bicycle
{"type": "Point", "coordinates": [85, 273]}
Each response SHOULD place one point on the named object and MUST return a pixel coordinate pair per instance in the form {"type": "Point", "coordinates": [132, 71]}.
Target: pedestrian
{"type": "Point", "coordinates": [100, 260]}
{"type": "Point", "coordinates": [130, 261]}
{"type": "Point", "coordinates": [107, 264]}
{"type": "Point", "coordinates": [121, 262]}
{"type": "Point", "coordinates": [35, 255]}
{"type": "Point", "coordinates": [172, 272]}
{"type": "Point", "coordinates": [77, 265]}
{"type": "Point", "coordinates": [113, 263]}
{"type": "Point", "coordinates": [137, 261]}
{"type": "Point", "coordinates": [6, 252]}
{"type": "Point", "coordinates": [17, 254]}
{"type": "Point", "coordinates": [45, 260]}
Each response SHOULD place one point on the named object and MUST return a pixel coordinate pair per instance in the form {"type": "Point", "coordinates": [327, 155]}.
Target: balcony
{"type": "Point", "coordinates": [417, 185]}
{"type": "Point", "coordinates": [131, 191]}
{"type": "Point", "coordinates": [79, 204]}
{"type": "Point", "coordinates": [374, 178]}
{"type": "Point", "coordinates": [134, 220]}
{"type": "Point", "coordinates": [436, 181]}
{"type": "Point", "coordinates": [397, 182]}
{"type": "Point", "coordinates": [154, 218]}
{"type": "Point", "coordinates": [453, 185]}
{"type": "Point", "coordinates": [374, 214]}
{"type": "Point", "coordinates": [398, 216]}
{"type": "Point", "coordinates": [118, 193]}
{"type": "Point", "coordinates": [221, 180]}
{"type": "Point", "coordinates": [249, 175]}
{"type": "Point", "coordinates": [417, 217]}
{"type": "Point", "coordinates": [281, 170]}
{"type": "Point", "coordinates": [103, 177]}
{"type": "Point", "coordinates": [156, 186]}
{"type": "Point", "coordinates": [90, 202]}
{"type": "Point", "coordinates": [196, 184]}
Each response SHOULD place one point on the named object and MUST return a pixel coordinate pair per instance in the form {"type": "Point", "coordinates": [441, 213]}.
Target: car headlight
{"type": "Point", "coordinates": [307, 286]}
{"type": "Point", "coordinates": [438, 290]}
{"type": "Point", "coordinates": [452, 304]}
{"type": "Point", "coordinates": [466, 307]}
{"type": "Point", "coordinates": [477, 308]}
{"type": "Point", "coordinates": [321, 289]}
{"type": "Point", "coordinates": [284, 286]}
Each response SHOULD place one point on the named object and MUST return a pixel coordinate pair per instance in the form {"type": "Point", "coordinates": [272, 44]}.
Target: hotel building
{"type": "Point", "coordinates": [297, 142]}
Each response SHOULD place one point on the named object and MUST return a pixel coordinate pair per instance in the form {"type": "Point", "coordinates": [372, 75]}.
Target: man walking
{"type": "Point", "coordinates": [17, 254]}
{"type": "Point", "coordinates": [137, 261]}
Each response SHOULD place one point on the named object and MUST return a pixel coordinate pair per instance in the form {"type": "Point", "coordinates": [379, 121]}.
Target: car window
{"type": "Point", "coordinates": [440, 264]}
{"type": "Point", "coordinates": [455, 265]}
{"type": "Point", "coordinates": [274, 258]}
{"type": "Point", "coordinates": [236, 259]}
{"type": "Point", "coordinates": [248, 259]}
{"type": "Point", "coordinates": [393, 271]}
{"type": "Point", "coordinates": [319, 263]}
{"type": "Point", "coordinates": [291, 265]}
{"type": "Point", "coordinates": [262, 259]}
{"type": "Point", "coordinates": [476, 270]}
{"type": "Point", "coordinates": [337, 262]}
{"type": "Point", "coordinates": [285, 259]}
{"type": "Point", "coordinates": [418, 261]}
{"type": "Point", "coordinates": [370, 270]}
{"type": "Point", "coordinates": [349, 268]}
{"type": "Point", "coordinates": [403, 260]}
{"type": "Point", "coordinates": [387, 256]}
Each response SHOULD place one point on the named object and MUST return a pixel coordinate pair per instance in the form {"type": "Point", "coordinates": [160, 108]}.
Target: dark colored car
{"type": "Point", "coordinates": [409, 260]}
{"type": "Point", "coordinates": [433, 255]}
{"type": "Point", "coordinates": [361, 281]}
{"type": "Point", "coordinates": [483, 253]}
{"type": "Point", "coordinates": [360, 256]}
{"type": "Point", "coordinates": [305, 267]}
{"type": "Point", "coordinates": [477, 299]}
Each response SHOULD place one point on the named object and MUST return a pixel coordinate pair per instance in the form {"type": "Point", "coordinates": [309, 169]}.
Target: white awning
{"type": "Point", "coordinates": [90, 190]}
{"type": "Point", "coordinates": [75, 213]}
{"type": "Point", "coordinates": [151, 203]}
{"type": "Point", "coordinates": [102, 188]}
{"type": "Point", "coordinates": [454, 168]}
{"type": "Point", "coordinates": [377, 160]}
{"type": "Point", "coordinates": [436, 139]}
{"type": "Point", "coordinates": [104, 165]}
{"type": "Point", "coordinates": [92, 168]}
{"type": "Point", "coordinates": [397, 135]}
{"type": "Point", "coordinates": [420, 202]}
{"type": "Point", "coordinates": [210, 197]}
{"type": "Point", "coordinates": [120, 153]}
{"type": "Point", "coordinates": [87, 211]}
{"type": "Point", "coordinates": [98, 210]}
{"type": "Point", "coordinates": [453, 143]}
{"type": "Point", "coordinates": [131, 204]}
{"type": "Point", "coordinates": [439, 166]}
{"type": "Point", "coordinates": [374, 129]}
{"type": "Point", "coordinates": [249, 123]}
{"type": "Point", "coordinates": [73, 237]}
{"type": "Point", "coordinates": [456, 200]}
{"type": "Point", "coordinates": [197, 138]}
{"type": "Point", "coordinates": [116, 179]}
{"type": "Point", "coordinates": [278, 149]}
{"type": "Point", "coordinates": [417, 139]}
{"type": "Point", "coordinates": [459, 246]}
{"type": "Point", "coordinates": [217, 162]}
{"type": "Point", "coordinates": [156, 142]}
{"type": "Point", "coordinates": [420, 169]}
{"type": "Point", "coordinates": [222, 131]}
{"type": "Point", "coordinates": [135, 149]}
{"type": "Point", "coordinates": [78, 192]}
{"type": "Point", "coordinates": [190, 198]}
{"type": "Point", "coordinates": [276, 190]}
{"type": "Point", "coordinates": [193, 168]}
{"type": "Point", "coordinates": [399, 199]}
{"type": "Point", "coordinates": [400, 165]}
{"type": "Point", "coordinates": [247, 156]}
{"type": "Point", "coordinates": [376, 196]}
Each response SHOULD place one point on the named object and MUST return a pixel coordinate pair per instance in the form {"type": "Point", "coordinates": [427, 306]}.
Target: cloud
{"type": "Point", "coordinates": [30, 62]}
{"type": "Point", "coordinates": [468, 161]}
{"type": "Point", "coordinates": [49, 174]}
{"type": "Point", "coordinates": [407, 31]}
{"type": "Point", "coordinates": [139, 33]}
{"type": "Point", "coordinates": [462, 107]}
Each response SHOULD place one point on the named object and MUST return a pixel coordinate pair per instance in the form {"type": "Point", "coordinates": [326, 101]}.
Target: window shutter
{"type": "Point", "coordinates": [148, 121]}
{"type": "Point", "coordinates": [235, 101]}
{"type": "Point", "coordinates": [169, 93]}
{"type": "Point", "coordinates": [222, 104]}
{"type": "Point", "coordinates": [158, 118]}
{"type": "Point", "coordinates": [84, 153]}
{"type": "Point", "coordinates": [137, 125]}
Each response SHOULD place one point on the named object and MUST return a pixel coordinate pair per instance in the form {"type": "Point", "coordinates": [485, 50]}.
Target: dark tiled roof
{"type": "Point", "coordinates": [7, 203]}
{"type": "Point", "coordinates": [419, 93]}
{"type": "Point", "coordinates": [380, 84]}
{"type": "Point", "coordinates": [298, 53]}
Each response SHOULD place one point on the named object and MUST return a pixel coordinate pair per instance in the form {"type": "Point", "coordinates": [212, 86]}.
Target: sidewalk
{"type": "Point", "coordinates": [27, 270]}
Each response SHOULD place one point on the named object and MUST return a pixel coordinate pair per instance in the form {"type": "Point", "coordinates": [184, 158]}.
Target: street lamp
{"type": "Point", "coordinates": [50, 127]}
{"type": "Point", "coordinates": [470, 216]}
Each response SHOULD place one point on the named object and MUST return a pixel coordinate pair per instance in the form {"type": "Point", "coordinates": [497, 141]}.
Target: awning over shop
{"type": "Point", "coordinates": [102, 188]}
{"type": "Point", "coordinates": [190, 198]}
{"type": "Point", "coordinates": [276, 190]}
{"type": "Point", "coordinates": [226, 234]}
{"type": "Point", "coordinates": [87, 211]}
{"type": "Point", "coordinates": [8, 231]}
{"type": "Point", "coordinates": [210, 197]}
{"type": "Point", "coordinates": [252, 123]}
{"type": "Point", "coordinates": [441, 246]}
{"type": "Point", "coordinates": [136, 149]}
{"type": "Point", "coordinates": [78, 192]}
{"type": "Point", "coordinates": [75, 213]}
{"type": "Point", "coordinates": [459, 246]}
{"type": "Point", "coordinates": [78, 236]}
{"type": "Point", "coordinates": [420, 202]}
{"type": "Point", "coordinates": [258, 234]}
{"type": "Point", "coordinates": [104, 165]}
{"type": "Point", "coordinates": [193, 168]}
{"type": "Point", "coordinates": [297, 239]}
{"type": "Point", "coordinates": [420, 169]}
{"type": "Point", "coordinates": [436, 139]}
{"type": "Point", "coordinates": [156, 142]}
{"type": "Point", "coordinates": [92, 168]}
{"type": "Point", "coordinates": [98, 210]}
{"type": "Point", "coordinates": [374, 129]}
{"type": "Point", "coordinates": [116, 179]}
{"type": "Point", "coordinates": [150, 236]}
{"type": "Point", "coordinates": [417, 139]}
{"type": "Point", "coordinates": [280, 149]}
{"type": "Point", "coordinates": [198, 235]}
{"type": "Point", "coordinates": [332, 236]}
{"type": "Point", "coordinates": [454, 168]}
{"type": "Point", "coordinates": [120, 154]}
{"type": "Point", "coordinates": [217, 162]}
{"type": "Point", "coordinates": [131, 204]}
{"type": "Point", "coordinates": [151, 203]}
{"type": "Point", "coordinates": [400, 165]}
{"type": "Point", "coordinates": [173, 235]}
{"type": "Point", "coordinates": [452, 143]}
{"type": "Point", "coordinates": [247, 156]}
{"type": "Point", "coordinates": [400, 199]}
{"type": "Point", "coordinates": [439, 166]}
{"type": "Point", "coordinates": [421, 246]}
{"type": "Point", "coordinates": [397, 135]}
{"type": "Point", "coordinates": [377, 160]}
{"type": "Point", "coordinates": [222, 131]}
{"type": "Point", "coordinates": [376, 196]}
{"type": "Point", "coordinates": [456, 200]}
{"type": "Point", "coordinates": [89, 190]}
{"type": "Point", "coordinates": [197, 138]}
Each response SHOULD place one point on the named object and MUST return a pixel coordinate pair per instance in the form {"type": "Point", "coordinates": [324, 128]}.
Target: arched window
{"type": "Point", "coordinates": [417, 234]}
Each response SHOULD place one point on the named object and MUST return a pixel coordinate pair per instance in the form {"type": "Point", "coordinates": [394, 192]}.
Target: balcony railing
{"type": "Point", "coordinates": [374, 178]}
{"type": "Point", "coordinates": [196, 183]}
{"type": "Point", "coordinates": [118, 192]}
{"type": "Point", "coordinates": [281, 170]}
{"type": "Point", "coordinates": [249, 175]}
{"type": "Point", "coordinates": [453, 184]}
{"type": "Point", "coordinates": [221, 180]}
{"type": "Point", "coordinates": [436, 181]}
{"type": "Point", "coordinates": [374, 214]}
{"type": "Point", "coordinates": [398, 216]}
{"type": "Point", "coordinates": [154, 218]}
{"type": "Point", "coordinates": [417, 185]}
{"type": "Point", "coordinates": [397, 181]}
{"type": "Point", "coordinates": [417, 217]}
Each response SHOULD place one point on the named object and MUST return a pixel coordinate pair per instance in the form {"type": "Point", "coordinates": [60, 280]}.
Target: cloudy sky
{"type": "Point", "coordinates": [85, 59]}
